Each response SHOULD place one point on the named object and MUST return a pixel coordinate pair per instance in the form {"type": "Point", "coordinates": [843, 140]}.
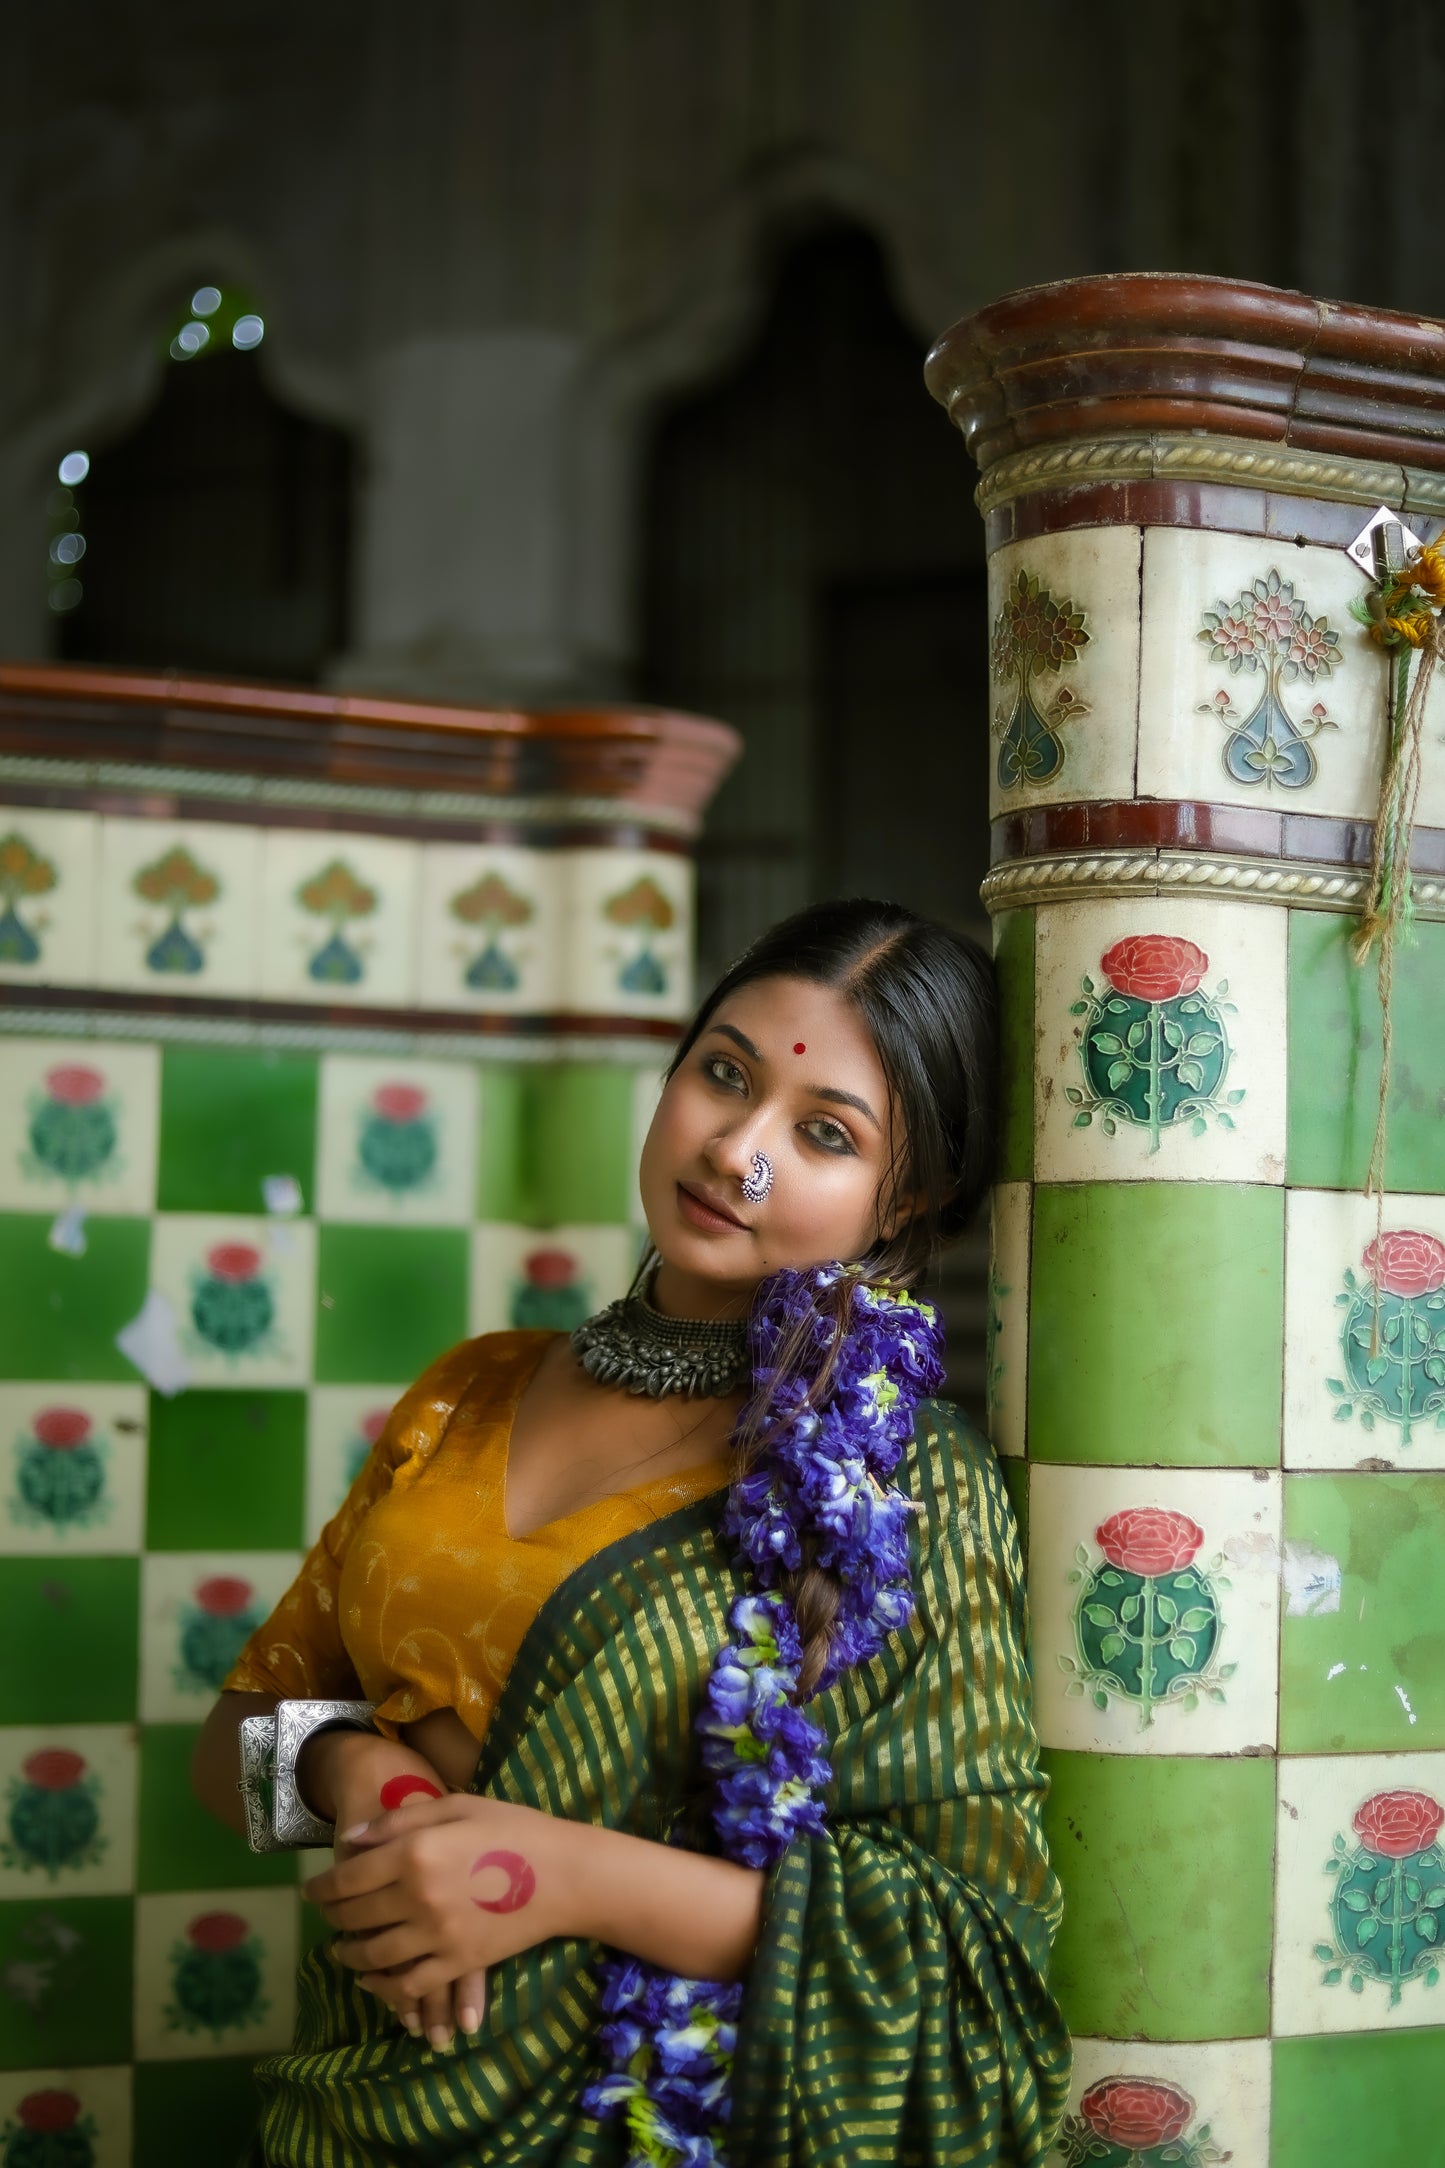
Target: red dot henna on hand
{"type": "Point", "coordinates": [521, 1882]}
{"type": "Point", "coordinates": [396, 1789]}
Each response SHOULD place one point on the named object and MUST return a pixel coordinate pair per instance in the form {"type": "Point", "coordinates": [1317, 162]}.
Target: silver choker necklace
{"type": "Point", "coordinates": [630, 1343]}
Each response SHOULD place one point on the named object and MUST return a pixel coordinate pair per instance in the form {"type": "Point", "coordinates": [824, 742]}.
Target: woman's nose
{"type": "Point", "coordinates": [731, 1151]}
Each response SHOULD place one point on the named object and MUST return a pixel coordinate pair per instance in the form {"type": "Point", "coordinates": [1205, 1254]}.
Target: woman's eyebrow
{"type": "Point", "coordinates": [730, 1031]}
{"type": "Point", "coordinates": [844, 1099]}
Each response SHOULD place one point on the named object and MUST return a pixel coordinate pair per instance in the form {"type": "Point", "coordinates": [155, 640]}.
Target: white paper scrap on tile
{"type": "Point", "coordinates": [281, 1194]}
{"type": "Point", "coordinates": [152, 1342]}
{"type": "Point", "coordinates": [67, 1231]}
{"type": "Point", "coordinates": [1311, 1581]}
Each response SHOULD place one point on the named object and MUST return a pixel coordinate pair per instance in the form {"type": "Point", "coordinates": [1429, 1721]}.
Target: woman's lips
{"type": "Point", "coordinates": [700, 1213]}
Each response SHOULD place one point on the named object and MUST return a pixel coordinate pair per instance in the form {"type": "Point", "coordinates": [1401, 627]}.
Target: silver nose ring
{"type": "Point", "coordinates": [760, 1181]}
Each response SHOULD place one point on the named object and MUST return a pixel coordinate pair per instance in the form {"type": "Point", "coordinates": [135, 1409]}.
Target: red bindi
{"type": "Point", "coordinates": [800, 1048]}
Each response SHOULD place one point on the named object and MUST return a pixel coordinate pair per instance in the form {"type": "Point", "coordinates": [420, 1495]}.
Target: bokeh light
{"type": "Point", "coordinates": [247, 332]}
{"type": "Point", "coordinates": [73, 468]}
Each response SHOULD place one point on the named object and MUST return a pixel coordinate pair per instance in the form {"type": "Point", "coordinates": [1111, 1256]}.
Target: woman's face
{"type": "Point", "coordinates": [787, 1069]}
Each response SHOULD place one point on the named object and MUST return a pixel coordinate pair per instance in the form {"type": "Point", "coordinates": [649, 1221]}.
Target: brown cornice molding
{"type": "Point", "coordinates": [1142, 356]}
{"type": "Point", "coordinates": [648, 764]}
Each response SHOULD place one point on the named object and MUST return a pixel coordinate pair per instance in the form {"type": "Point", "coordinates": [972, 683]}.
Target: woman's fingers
{"type": "Point", "coordinates": [416, 1979]}
{"type": "Point", "coordinates": [379, 1908]}
{"type": "Point", "coordinates": [385, 1952]}
{"type": "Point", "coordinates": [436, 2016]}
{"type": "Point", "coordinates": [469, 2000]}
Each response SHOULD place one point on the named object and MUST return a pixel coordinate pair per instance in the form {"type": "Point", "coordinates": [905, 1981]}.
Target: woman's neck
{"type": "Point", "coordinates": [686, 1294]}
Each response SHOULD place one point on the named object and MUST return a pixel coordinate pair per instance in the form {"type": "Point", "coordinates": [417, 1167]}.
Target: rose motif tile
{"type": "Point", "coordinates": [177, 906]}
{"type": "Point", "coordinates": [343, 1424]}
{"type": "Point", "coordinates": [88, 2109]}
{"type": "Point", "coordinates": [338, 917]}
{"type": "Point", "coordinates": [490, 919]}
{"type": "Point", "coordinates": [1154, 1596]}
{"type": "Point", "coordinates": [1159, 1042]}
{"type": "Point", "coordinates": [242, 1292]}
{"type": "Point", "coordinates": [72, 1468]}
{"type": "Point", "coordinates": [1257, 684]}
{"type": "Point", "coordinates": [214, 1973]}
{"type": "Point", "coordinates": [198, 1609]}
{"type": "Point", "coordinates": [1063, 667]}
{"type": "Point", "coordinates": [1188, 2105]}
{"type": "Point", "coordinates": [550, 1278]}
{"type": "Point", "coordinates": [397, 1141]}
{"type": "Point", "coordinates": [78, 1118]}
{"type": "Point", "coordinates": [1008, 1316]}
{"type": "Point", "coordinates": [628, 933]}
{"type": "Point", "coordinates": [1365, 1331]}
{"type": "Point", "coordinates": [1360, 1904]}
{"type": "Point", "coordinates": [47, 897]}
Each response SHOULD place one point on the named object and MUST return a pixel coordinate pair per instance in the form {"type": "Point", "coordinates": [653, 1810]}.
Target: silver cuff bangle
{"type": "Point", "coordinates": [277, 1817]}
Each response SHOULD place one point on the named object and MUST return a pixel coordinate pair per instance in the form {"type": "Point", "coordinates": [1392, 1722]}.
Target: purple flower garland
{"type": "Point", "coordinates": [823, 1485]}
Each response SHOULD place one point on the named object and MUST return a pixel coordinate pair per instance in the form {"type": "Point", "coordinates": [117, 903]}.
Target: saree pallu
{"type": "Point", "coordinates": [897, 2009]}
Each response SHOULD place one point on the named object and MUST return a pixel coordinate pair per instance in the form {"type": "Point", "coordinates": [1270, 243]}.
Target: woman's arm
{"type": "Point", "coordinates": [341, 1774]}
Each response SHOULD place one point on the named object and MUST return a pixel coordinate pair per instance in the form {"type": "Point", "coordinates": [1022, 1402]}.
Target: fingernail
{"type": "Point", "coordinates": [349, 1836]}
{"type": "Point", "coordinates": [440, 2037]}
{"type": "Point", "coordinates": [469, 2020]}
{"type": "Point", "coordinates": [412, 2023]}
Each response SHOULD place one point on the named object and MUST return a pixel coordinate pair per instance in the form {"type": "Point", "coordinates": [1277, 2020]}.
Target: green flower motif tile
{"type": "Point", "coordinates": [215, 1972]}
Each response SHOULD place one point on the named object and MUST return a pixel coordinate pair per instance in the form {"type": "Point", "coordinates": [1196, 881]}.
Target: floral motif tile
{"type": "Point", "coordinates": [89, 2108]}
{"type": "Point", "coordinates": [627, 933]}
{"type": "Point", "coordinates": [1360, 1902]}
{"type": "Point", "coordinates": [490, 923]}
{"type": "Point", "coordinates": [72, 1468]}
{"type": "Point", "coordinates": [214, 1973]}
{"type": "Point", "coordinates": [338, 917]}
{"type": "Point", "coordinates": [1365, 1331]}
{"type": "Point", "coordinates": [1007, 1352]}
{"type": "Point", "coordinates": [343, 1423]}
{"type": "Point", "coordinates": [1160, 1045]}
{"type": "Point", "coordinates": [47, 897]}
{"type": "Point", "coordinates": [1130, 2100]}
{"type": "Point", "coordinates": [397, 1141]}
{"type": "Point", "coordinates": [1063, 616]}
{"type": "Point", "coordinates": [550, 1278]}
{"type": "Point", "coordinates": [1154, 1597]}
{"type": "Point", "coordinates": [177, 906]}
{"type": "Point", "coordinates": [198, 1609]}
{"type": "Point", "coordinates": [69, 1796]}
{"type": "Point", "coordinates": [242, 1292]}
{"type": "Point", "coordinates": [1257, 685]}
{"type": "Point", "coordinates": [78, 1121]}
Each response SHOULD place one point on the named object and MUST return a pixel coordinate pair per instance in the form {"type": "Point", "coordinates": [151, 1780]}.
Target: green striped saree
{"type": "Point", "coordinates": [897, 2010]}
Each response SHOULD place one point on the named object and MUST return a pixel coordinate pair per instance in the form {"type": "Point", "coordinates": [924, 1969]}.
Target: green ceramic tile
{"type": "Point", "coordinates": [506, 1112]}
{"type": "Point", "coordinates": [226, 1472]}
{"type": "Point", "coordinates": [1334, 1070]}
{"type": "Point", "coordinates": [582, 1141]}
{"type": "Point", "coordinates": [181, 2108]}
{"type": "Point", "coordinates": [76, 1955]}
{"type": "Point", "coordinates": [229, 1118]}
{"type": "Point", "coordinates": [78, 1620]}
{"type": "Point", "coordinates": [179, 1845]}
{"type": "Point", "coordinates": [1372, 1674]}
{"type": "Point", "coordinates": [1156, 1324]}
{"type": "Point", "coordinates": [389, 1299]}
{"type": "Point", "coordinates": [1016, 1483]}
{"type": "Point", "coordinates": [1167, 1864]}
{"type": "Point", "coordinates": [60, 1314]}
{"type": "Point", "coordinates": [1372, 2099]}
{"type": "Point", "coordinates": [1013, 955]}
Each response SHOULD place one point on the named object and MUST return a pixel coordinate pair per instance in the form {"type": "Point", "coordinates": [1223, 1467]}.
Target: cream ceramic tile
{"type": "Point", "coordinates": [70, 1815]}
{"type": "Point", "coordinates": [214, 1973]}
{"type": "Point", "coordinates": [1360, 1867]}
{"type": "Point", "coordinates": [78, 1118]}
{"type": "Point", "coordinates": [1110, 970]}
{"type": "Point", "coordinates": [647, 1085]}
{"type": "Point", "coordinates": [1212, 1538]}
{"type": "Point", "coordinates": [1011, 1209]}
{"type": "Point", "coordinates": [197, 1610]}
{"type": "Point", "coordinates": [1128, 2097]}
{"type": "Point", "coordinates": [338, 915]}
{"type": "Point", "coordinates": [47, 897]}
{"type": "Point", "coordinates": [553, 1277]}
{"type": "Point", "coordinates": [1346, 1403]}
{"type": "Point", "coordinates": [491, 922]}
{"type": "Point", "coordinates": [628, 933]}
{"type": "Point", "coordinates": [72, 1468]}
{"type": "Point", "coordinates": [177, 906]}
{"type": "Point", "coordinates": [1064, 731]}
{"type": "Point", "coordinates": [397, 1141]}
{"type": "Point", "coordinates": [101, 2121]}
{"type": "Point", "coordinates": [343, 1423]}
{"type": "Point", "coordinates": [1251, 735]}
{"type": "Point", "coordinates": [243, 1291]}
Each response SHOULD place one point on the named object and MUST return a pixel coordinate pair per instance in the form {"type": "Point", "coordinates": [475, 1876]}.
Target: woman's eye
{"type": "Point", "coordinates": [831, 1135]}
{"type": "Point", "coordinates": [725, 1072]}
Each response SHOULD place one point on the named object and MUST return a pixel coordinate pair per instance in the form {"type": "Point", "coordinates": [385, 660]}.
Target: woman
{"type": "Point", "coordinates": [580, 1647]}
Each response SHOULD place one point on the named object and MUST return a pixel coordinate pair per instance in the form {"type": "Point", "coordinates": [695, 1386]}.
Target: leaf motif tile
{"type": "Point", "coordinates": [338, 918]}
{"type": "Point", "coordinates": [628, 933]}
{"type": "Point", "coordinates": [47, 897]}
{"type": "Point", "coordinates": [490, 926]}
{"type": "Point", "coordinates": [177, 906]}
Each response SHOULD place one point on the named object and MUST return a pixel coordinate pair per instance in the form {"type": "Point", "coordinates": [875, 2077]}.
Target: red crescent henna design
{"type": "Point", "coordinates": [396, 1789]}
{"type": "Point", "coordinates": [521, 1882]}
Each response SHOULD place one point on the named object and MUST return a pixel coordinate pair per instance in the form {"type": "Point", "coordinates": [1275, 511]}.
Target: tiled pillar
{"type": "Point", "coordinates": [1236, 1510]}
{"type": "Point", "coordinates": [328, 1029]}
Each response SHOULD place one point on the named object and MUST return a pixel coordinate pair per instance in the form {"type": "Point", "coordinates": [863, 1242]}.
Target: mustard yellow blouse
{"type": "Point", "coordinates": [415, 1596]}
